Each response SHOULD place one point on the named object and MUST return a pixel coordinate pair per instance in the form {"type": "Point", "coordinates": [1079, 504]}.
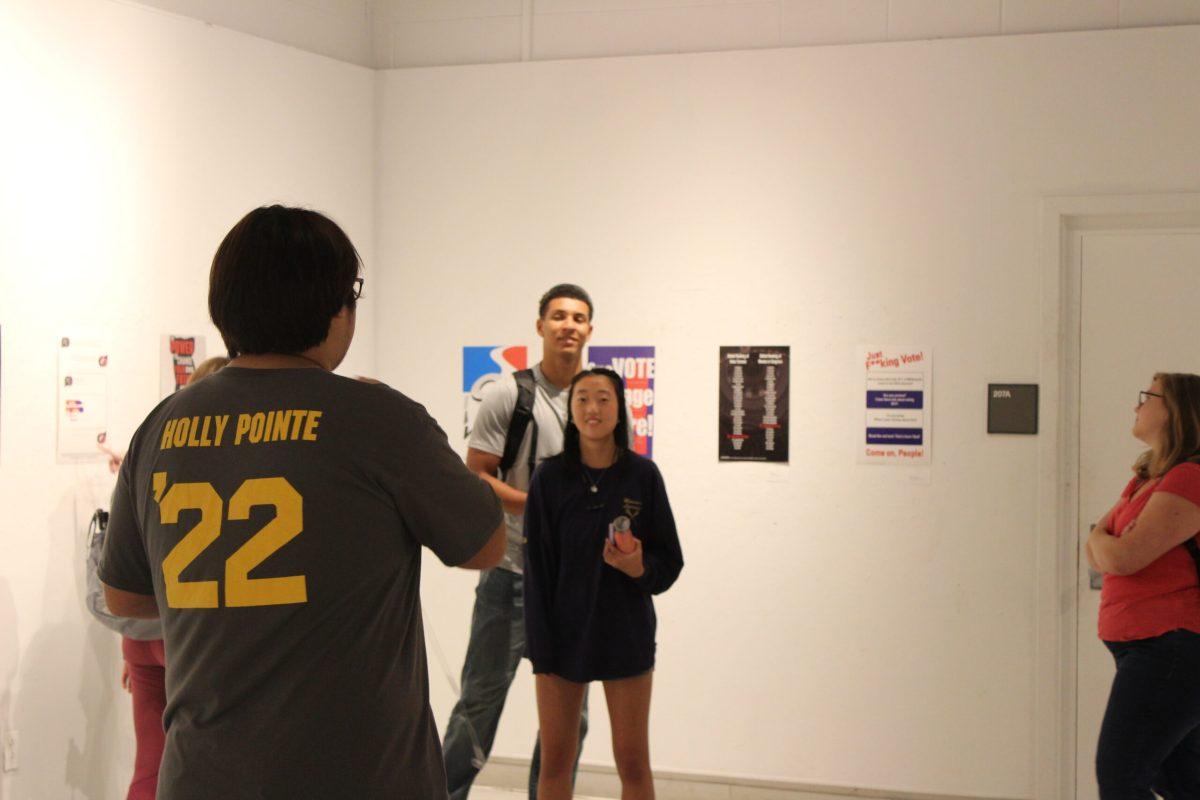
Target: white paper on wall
{"type": "Point", "coordinates": [178, 358]}
{"type": "Point", "coordinates": [897, 396]}
{"type": "Point", "coordinates": [82, 397]}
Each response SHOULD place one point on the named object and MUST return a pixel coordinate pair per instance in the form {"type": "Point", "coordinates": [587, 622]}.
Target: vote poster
{"type": "Point", "coordinates": [636, 366]}
{"type": "Point", "coordinates": [179, 357]}
{"type": "Point", "coordinates": [82, 411]}
{"type": "Point", "coordinates": [483, 366]}
{"type": "Point", "coordinates": [898, 411]}
{"type": "Point", "coordinates": [753, 404]}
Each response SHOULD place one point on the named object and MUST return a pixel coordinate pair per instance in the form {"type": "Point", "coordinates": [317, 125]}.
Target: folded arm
{"type": "Point", "coordinates": [1167, 521]}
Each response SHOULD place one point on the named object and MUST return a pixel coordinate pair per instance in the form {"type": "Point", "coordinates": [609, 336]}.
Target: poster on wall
{"type": "Point", "coordinates": [82, 397]}
{"type": "Point", "coordinates": [753, 403]}
{"type": "Point", "coordinates": [636, 366]}
{"type": "Point", "coordinates": [898, 394]}
{"type": "Point", "coordinates": [180, 355]}
{"type": "Point", "coordinates": [482, 366]}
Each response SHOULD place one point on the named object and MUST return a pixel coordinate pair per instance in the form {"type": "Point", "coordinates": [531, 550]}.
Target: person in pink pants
{"type": "Point", "coordinates": [144, 677]}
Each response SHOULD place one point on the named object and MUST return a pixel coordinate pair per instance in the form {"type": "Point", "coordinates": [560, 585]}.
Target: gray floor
{"type": "Point", "coordinates": [487, 793]}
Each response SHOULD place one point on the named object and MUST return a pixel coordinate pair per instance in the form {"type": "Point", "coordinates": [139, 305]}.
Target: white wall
{"type": "Point", "coordinates": [834, 623]}
{"type": "Point", "coordinates": [131, 142]}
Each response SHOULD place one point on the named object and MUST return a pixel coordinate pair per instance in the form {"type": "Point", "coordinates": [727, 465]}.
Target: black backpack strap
{"type": "Point", "coordinates": [1190, 545]}
{"type": "Point", "coordinates": [1193, 551]}
{"type": "Point", "coordinates": [522, 416]}
{"type": "Point", "coordinates": [533, 447]}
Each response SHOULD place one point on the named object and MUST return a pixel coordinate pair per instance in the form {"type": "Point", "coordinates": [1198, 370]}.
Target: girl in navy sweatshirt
{"type": "Point", "coordinates": [600, 540]}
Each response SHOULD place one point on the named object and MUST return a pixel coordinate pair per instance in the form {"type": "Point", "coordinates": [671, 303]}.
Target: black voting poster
{"type": "Point", "coordinates": [754, 404]}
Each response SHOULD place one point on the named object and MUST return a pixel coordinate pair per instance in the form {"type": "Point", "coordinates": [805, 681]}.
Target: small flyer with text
{"type": "Point", "coordinates": [898, 409]}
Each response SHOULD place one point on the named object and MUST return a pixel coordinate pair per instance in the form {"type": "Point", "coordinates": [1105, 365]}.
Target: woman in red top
{"type": "Point", "coordinates": [1150, 604]}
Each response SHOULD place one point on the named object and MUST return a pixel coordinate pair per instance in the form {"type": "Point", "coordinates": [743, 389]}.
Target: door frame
{"type": "Point", "coordinates": [1064, 220]}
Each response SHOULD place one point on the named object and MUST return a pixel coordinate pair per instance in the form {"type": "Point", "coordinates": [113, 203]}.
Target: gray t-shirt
{"type": "Point", "coordinates": [491, 428]}
{"type": "Point", "coordinates": [278, 518]}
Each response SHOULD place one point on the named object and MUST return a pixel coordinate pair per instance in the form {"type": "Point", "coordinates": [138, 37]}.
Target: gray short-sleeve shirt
{"type": "Point", "coordinates": [278, 517]}
{"type": "Point", "coordinates": [491, 428]}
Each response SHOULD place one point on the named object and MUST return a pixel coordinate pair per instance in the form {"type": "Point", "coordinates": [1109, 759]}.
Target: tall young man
{"type": "Point", "coordinates": [497, 622]}
{"type": "Point", "coordinates": [273, 516]}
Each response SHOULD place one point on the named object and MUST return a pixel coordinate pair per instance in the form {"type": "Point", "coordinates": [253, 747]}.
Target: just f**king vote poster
{"type": "Point", "coordinates": [482, 366]}
{"type": "Point", "coordinates": [898, 410]}
{"type": "Point", "coordinates": [635, 365]}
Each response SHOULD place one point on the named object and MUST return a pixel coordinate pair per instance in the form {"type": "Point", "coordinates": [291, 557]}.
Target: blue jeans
{"type": "Point", "coordinates": [493, 653]}
{"type": "Point", "coordinates": [1150, 737]}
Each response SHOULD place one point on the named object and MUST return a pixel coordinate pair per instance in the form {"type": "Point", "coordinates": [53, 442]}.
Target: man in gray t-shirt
{"type": "Point", "coordinates": [497, 623]}
{"type": "Point", "coordinates": [488, 437]}
{"type": "Point", "coordinates": [273, 517]}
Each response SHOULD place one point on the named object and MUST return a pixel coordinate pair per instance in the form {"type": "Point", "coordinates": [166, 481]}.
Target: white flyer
{"type": "Point", "coordinates": [82, 397]}
{"type": "Point", "coordinates": [897, 405]}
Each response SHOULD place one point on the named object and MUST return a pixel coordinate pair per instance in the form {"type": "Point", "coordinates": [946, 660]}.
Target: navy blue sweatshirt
{"type": "Point", "coordinates": [585, 620]}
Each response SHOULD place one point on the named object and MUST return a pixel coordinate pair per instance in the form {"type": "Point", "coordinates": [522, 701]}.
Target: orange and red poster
{"type": "Point", "coordinates": [180, 356]}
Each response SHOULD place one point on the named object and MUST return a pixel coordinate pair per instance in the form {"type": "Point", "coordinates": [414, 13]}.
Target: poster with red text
{"type": "Point", "coordinates": [752, 404]}
{"type": "Point", "coordinates": [898, 409]}
{"type": "Point", "coordinates": [481, 366]}
{"type": "Point", "coordinates": [179, 357]}
{"type": "Point", "coordinates": [636, 366]}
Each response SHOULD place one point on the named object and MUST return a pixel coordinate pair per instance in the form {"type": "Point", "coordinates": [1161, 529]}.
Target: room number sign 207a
{"type": "Point", "coordinates": [240, 589]}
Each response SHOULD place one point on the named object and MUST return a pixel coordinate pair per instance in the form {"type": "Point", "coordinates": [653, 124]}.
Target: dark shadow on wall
{"type": "Point", "coordinates": [68, 701]}
{"type": "Point", "coordinates": [8, 661]}
{"type": "Point", "coordinates": [58, 757]}
{"type": "Point", "coordinates": [91, 768]}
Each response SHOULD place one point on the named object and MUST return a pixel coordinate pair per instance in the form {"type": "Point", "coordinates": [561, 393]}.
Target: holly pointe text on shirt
{"type": "Point", "coordinates": [283, 425]}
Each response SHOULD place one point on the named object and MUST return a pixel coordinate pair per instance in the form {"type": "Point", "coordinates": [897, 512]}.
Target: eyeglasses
{"type": "Point", "coordinates": [356, 292]}
{"type": "Point", "coordinates": [1143, 395]}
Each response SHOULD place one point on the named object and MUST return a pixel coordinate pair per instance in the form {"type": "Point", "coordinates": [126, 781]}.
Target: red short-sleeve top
{"type": "Point", "coordinates": [1165, 594]}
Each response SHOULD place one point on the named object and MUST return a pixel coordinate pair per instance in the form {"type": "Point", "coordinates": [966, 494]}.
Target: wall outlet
{"type": "Point", "coordinates": [10, 751]}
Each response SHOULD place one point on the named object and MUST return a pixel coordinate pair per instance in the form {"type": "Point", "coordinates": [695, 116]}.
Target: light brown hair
{"type": "Point", "coordinates": [207, 367]}
{"type": "Point", "coordinates": [1181, 435]}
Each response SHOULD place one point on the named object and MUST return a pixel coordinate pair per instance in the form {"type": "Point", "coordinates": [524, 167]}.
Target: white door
{"type": "Point", "coordinates": [1139, 314]}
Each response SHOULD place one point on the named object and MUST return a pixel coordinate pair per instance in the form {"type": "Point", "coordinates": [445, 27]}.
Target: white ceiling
{"type": "Point", "coordinates": [415, 33]}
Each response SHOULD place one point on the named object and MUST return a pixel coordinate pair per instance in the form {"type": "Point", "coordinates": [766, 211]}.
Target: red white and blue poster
{"type": "Point", "coordinates": [898, 395]}
{"type": "Point", "coordinates": [482, 366]}
{"type": "Point", "coordinates": [636, 366]}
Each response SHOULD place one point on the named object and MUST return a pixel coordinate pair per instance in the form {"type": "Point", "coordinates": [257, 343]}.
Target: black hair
{"type": "Point", "coordinates": [565, 290]}
{"type": "Point", "coordinates": [571, 456]}
{"type": "Point", "coordinates": [278, 278]}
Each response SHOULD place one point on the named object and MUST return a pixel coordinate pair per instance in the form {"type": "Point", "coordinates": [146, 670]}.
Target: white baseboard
{"type": "Point", "coordinates": [600, 781]}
